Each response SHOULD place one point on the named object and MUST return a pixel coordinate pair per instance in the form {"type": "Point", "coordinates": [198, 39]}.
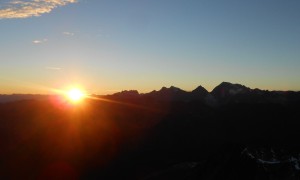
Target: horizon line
{"type": "Point", "coordinates": [119, 91]}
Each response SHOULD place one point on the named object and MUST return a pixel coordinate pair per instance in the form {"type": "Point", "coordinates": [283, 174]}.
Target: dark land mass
{"type": "Point", "coordinates": [233, 132]}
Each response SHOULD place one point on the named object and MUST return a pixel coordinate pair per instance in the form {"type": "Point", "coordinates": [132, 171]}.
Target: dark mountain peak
{"type": "Point", "coordinates": [176, 89]}
{"type": "Point", "coordinates": [163, 88]}
{"type": "Point", "coordinates": [127, 94]}
{"type": "Point", "coordinates": [199, 93]}
{"type": "Point", "coordinates": [224, 83]}
{"type": "Point", "coordinates": [171, 93]}
{"type": "Point", "coordinates": [200, 89]}
{"type": "Point", "coordinates": [226, 89]}
{"type": "Point", "coordinates": [231, 85]}
{"type": "Point", "coordinates": [171, 89]}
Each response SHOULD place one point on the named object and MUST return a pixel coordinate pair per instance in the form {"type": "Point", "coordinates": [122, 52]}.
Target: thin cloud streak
{"type": "Point", "coordinates": [39, 41]}
{"type": "Point", "coordinates": [68, 33]}
{"type": "Point", "coordinates": [54, 68]}
{"type": "Point", "coordinates": [25, 9]}
{"type": "Point", "coordinates": [36, 42]}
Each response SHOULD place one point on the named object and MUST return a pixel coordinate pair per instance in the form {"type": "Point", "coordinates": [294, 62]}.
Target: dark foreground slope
{"type": "Point", "coordinates": [232, 133]}
{"type": "Point", "coordinates": [39, 138]}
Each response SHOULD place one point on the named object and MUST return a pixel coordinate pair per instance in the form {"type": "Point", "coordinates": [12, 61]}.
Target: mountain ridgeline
{"type": "Point", "coordinates": [233, 132]}
{"type": "Point", "coordinates": [222, 94]}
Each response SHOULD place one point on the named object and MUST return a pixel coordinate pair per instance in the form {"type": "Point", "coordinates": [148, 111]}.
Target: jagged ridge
{"type": "Point", "coordinates": [224, 93]}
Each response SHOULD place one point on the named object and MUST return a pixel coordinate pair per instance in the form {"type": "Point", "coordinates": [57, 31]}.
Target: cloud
{"type": "Point", "coordinates": [30, 8]}
{"type": "Point", "coordinates": [54, 68]}
{"type": "Point", "coordinates": [36, 41]}
{"type": "Point", "coordinates": [68, 33]}
{"type": "Point", "coordinates": [39, 41]}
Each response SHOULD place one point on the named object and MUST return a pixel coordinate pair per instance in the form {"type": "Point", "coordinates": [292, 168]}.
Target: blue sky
{"type": "Point", "coordinates": [106, 46]}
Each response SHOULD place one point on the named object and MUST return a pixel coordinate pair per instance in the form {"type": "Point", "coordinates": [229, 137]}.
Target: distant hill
{"type": "Point", "coordinates": [18, 97]}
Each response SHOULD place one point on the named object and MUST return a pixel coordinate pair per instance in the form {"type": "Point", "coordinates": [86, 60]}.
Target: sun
{"type": "Point", "coordinates": [75, 95]}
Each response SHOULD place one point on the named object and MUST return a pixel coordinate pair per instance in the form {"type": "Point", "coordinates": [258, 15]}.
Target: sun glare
{"type": "Point", "coordinates": [75, 95]}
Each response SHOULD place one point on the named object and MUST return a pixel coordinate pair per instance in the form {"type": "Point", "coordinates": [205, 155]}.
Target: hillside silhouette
{"type": "Point", "coordinates": [232, 132]}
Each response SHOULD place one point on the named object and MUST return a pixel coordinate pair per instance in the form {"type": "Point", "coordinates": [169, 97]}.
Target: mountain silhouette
{"type": "Point", "coordinates": [224, 93]}
{"type": "Point", "coordinates": [168, 94]}
{"type": "Point", "coordinates": [233, 132]}
{"type": "Point", "coordinates": [199, 93]}
{"type": "Point", "coordinates": [226, 89]}
{"type": "Point", "coordinates": [127, 94]}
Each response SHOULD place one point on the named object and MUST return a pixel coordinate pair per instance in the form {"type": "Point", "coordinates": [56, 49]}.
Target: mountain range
{"type": "Point", "coordinates": [232, 132]}
{"type": "Point", "coordinates": [224, 93]}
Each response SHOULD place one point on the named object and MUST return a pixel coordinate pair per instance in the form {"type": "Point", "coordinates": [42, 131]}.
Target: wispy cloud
{"type": "Point", "coordinates": [68, 33]}
{"type": "Point", "coordinates": [29, 8]}
{"type": "Point", "coordinates": [54, 68]}
{"type": "Point", "coordinates": [39, 41]}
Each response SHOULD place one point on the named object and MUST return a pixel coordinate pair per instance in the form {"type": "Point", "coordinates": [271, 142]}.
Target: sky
{"type": "Point", "coordinates": [105, 46]}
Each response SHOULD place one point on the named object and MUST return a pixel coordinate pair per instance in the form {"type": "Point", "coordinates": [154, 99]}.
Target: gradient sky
{"type": "Point", "coordinates": [106, 46]}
